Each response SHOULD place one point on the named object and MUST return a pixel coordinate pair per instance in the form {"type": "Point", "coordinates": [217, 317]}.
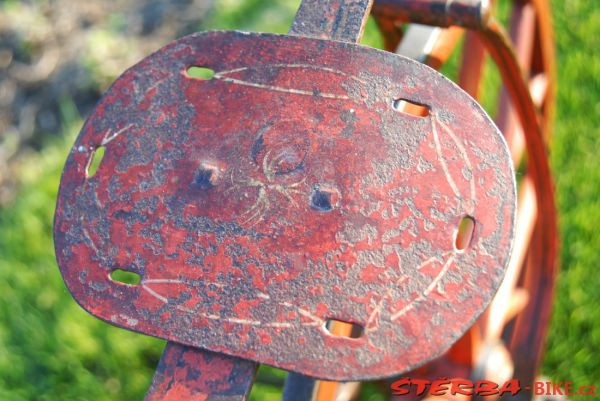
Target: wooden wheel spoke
{"type": "Point", "coordinates": [499, 310]}
{"type": "Point", "coordinates": [429, 45]}
{"type": "Point", "coordinates": [517, 303]}
{"type": "Point", "coordinates": [538, 86]}
{"type": "Point", "coordinates": [471, 70]}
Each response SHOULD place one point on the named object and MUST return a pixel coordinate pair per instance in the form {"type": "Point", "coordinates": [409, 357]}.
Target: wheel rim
{"type": "Point", "coordinates": [518, 317]}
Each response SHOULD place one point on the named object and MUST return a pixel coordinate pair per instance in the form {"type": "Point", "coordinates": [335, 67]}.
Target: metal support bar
{"type": "Point", "coordinates": [298, 387]}
{"type": "Point", "coordinates": [472, 14]}
{"type": "Point", "coordinates": [187, 373]}
{"type": "Point", "coordinates": [342, 20]}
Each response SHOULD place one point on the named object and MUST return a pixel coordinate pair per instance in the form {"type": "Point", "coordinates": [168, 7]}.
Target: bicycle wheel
{"type": "Point", "coordinates": [508, 340]}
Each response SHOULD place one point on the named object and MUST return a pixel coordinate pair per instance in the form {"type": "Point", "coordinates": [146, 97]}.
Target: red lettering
{"type": "Point", "coordinates": [486, 387]}
{"type": "Point", "coordinates": [421, 385]}
{"type": "Point", "coordinates": [556, 388]}
{"type": "Point", "coordinates": [539, 388]}
{"type": "Point", "coordinates": [568, 388]}
{"type": "Point", "coordinates": [462, 387]}
{"type": "Point", "coordinates": [440, 387]}
{"type": "Point", "coordinates": [511, 386]}
{"type": "Point", "coordinates": [588, 393]}
{"type": "Point", "coordinates": [398, 386]}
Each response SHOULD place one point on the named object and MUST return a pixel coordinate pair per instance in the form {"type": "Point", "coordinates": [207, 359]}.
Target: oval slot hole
{"type": "Point", "coordinates": [203, 73]}
{"type": "Point", "coordinates": [94, 162]}
{"type": "Point", "coordinates": [464, 234]}
{"type": "Point", "coordinates": [340, 328]}
{"type": "Point", "coordinates": [411, 108]}
{"type": "Point", "coordinates": [125, 277]}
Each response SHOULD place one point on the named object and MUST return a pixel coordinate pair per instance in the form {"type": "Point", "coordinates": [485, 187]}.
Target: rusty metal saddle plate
{"type": "Point", "coordinates": [286, 191]}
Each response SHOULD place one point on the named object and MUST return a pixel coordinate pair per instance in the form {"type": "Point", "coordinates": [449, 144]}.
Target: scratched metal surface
{"type": "Point", "coordinates": [283, 192]}
{"type": "Point", "coordinates": [187, 374]}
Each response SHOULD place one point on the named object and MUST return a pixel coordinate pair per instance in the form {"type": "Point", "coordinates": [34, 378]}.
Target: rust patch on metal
{"type": "Point", "coordinates": [186, 373]}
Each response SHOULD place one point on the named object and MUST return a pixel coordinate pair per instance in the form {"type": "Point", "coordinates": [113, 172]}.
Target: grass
{"type": "Point", "coordinates": [574, 340]}
{"type": "Point", "coordinates": [51, 350]}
